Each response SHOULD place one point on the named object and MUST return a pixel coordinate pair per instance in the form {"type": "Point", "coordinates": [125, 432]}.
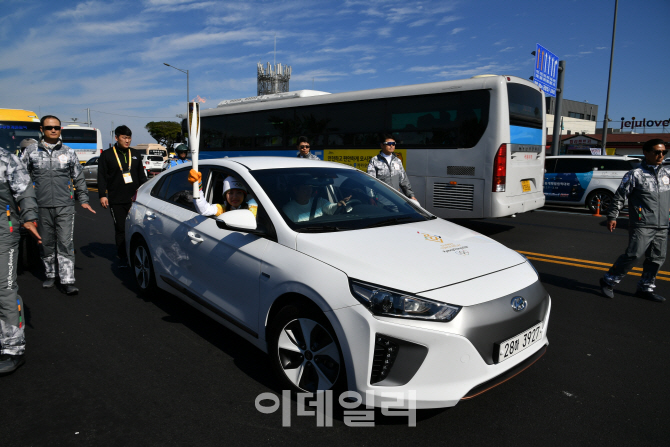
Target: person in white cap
{"type": "Point", "coordinates": [234, 191]}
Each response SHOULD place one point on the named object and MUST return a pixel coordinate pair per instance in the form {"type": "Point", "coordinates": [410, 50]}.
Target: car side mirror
{"type": "Point", "coordinates": [238, 220]}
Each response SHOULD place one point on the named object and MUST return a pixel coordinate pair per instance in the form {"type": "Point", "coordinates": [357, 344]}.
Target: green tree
{"type": "Point", "coordinates": [166, 133]}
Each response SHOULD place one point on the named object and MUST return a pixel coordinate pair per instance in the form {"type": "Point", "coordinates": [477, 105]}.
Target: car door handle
{"type": "Point", "coordinates": [195, 237]}
{"type": "Point", "coordinates": [150, 215]}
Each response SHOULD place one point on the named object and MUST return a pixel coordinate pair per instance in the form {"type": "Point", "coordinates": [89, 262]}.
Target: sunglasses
{"type": "Point", "coordinates": [390, 143]}
{"type": "Point", "coordinates": [51, 127]}
{"type": "Point", "coordinates": [304, 146]}
{"type": "Point", "coordinates": [657, 153]}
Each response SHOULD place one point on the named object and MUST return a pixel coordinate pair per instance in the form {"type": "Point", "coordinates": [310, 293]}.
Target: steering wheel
{"type": "Point", "coordinates": [343, 209]}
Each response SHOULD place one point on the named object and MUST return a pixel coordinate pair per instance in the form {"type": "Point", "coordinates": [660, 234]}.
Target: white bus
{"type": "Point", "coordinates": [86, 142]}
{"type": "Point", "coordinates": [472, 148]}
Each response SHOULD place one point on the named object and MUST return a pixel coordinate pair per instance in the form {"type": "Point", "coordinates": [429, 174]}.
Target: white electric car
{"type": "Point", "coordinates": [344, 282]}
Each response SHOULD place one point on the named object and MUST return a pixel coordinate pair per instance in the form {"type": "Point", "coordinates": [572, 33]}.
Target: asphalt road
{"type": "Point", "coordinates": [108, 367]}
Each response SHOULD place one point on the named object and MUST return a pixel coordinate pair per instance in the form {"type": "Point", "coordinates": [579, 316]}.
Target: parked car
{"type": "Point", "coordinates": [153, 164]}
{"type": "Point", "coordinates": [366, 291]}
{"type": "Point", "coordinates": [90, 169]}
{"type": "Point", "coordinates": [585, 180]}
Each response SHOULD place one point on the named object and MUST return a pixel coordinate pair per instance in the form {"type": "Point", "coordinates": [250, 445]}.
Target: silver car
{"type": "Point", "coordinates": [91, 171]}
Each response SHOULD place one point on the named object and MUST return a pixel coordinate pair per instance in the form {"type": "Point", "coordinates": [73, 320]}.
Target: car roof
{"type": "Point", "coordinates": [258, 163]}
{"type": "Point", "coordinates": [600, 157]}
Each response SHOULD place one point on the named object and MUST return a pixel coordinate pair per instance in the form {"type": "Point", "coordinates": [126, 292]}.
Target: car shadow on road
{"type": "Point", "coordinates": [107, 251]}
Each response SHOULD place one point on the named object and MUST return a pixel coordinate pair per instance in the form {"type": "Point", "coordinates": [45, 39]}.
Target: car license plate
{"type": "Point", "coordinates": [513, 346]}
{"type": "Point", "coordinates": [525, 185]}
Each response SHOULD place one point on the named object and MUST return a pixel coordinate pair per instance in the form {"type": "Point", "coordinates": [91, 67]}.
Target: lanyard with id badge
{"type": "Point", "coordinates": [127, 178]}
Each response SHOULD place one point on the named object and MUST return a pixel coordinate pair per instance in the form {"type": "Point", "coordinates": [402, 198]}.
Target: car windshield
{"type": "Point", "coordinates": [333, 199]}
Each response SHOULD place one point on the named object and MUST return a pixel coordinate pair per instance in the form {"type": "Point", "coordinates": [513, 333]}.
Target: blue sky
{"type": "Point", "coordinates": [62, 57]}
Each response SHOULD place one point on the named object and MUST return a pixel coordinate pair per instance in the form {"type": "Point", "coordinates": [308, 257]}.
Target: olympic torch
{"type": "Point", "coordinates": [194, 141]}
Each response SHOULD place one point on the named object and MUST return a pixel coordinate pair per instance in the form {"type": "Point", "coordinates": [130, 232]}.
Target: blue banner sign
{"type": "Point", "coordinates": [546, 70]}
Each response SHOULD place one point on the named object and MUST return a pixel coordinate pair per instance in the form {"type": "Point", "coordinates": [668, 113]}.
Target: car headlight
{"type": "Point", "coordinates": [387, 303]}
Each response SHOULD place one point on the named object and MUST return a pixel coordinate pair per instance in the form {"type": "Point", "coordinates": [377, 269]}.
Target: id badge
{"type": "Point", "coordinates": [127, 177]}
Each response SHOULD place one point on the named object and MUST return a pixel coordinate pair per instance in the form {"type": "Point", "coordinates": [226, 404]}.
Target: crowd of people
{"type": "Point", "coordinates": [38, 191]}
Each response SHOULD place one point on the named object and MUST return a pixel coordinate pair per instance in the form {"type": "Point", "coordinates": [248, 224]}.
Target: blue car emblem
{"type": "Point", "coordinates": [518, 303]}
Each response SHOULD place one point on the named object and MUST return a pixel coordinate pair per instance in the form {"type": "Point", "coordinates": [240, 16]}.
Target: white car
{"type": "Point", "coordinates": [365, 291]}
{"type": "Point", "coordinates": [585, 179]}
{"type": "Point", "coordinates": [153, 164]}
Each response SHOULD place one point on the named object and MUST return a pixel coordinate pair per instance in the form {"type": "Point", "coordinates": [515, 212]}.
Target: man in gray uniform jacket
{"type": "Point", "coordinates": [387, 167]}
{"type": "Point", "coordinates": [57, 176]}
{"type": "Point", "coordinates": [648, 191]}
{"type": "Point", "coordinates": [16, 193]}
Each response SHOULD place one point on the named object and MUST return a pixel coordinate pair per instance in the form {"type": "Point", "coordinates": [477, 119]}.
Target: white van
{"type": "Point", "coordinates": [585, 179]}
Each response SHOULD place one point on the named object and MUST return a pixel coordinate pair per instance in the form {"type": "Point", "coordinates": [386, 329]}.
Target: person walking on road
{"type": "Point", "coordinates": [57, 176]}
{"type": "Point", "coordinates": [182, 152]}
{"type": "Point", "coordinates": [387, 167]}
{"type": "Point", "coordinates": [647, 189]}
{"type": "Point", "coordinates": [17, 198]}
{"type": "Point", "coordinates": [120, 173]}
{"type": "Point", "coordinates": [303, 149]}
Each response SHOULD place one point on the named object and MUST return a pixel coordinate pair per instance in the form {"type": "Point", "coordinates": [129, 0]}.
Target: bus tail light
{"type": "Point", "coordinates": [500, 169]}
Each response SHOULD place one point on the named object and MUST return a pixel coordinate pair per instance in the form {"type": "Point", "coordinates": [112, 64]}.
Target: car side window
{"type": "Point", "coordinates": [177, 190]}
{"type": "Point", "coordinates": [215, 187]}
{"type": "Point", "coordinates": [160, 188]}
{"type": "Point", "coordinates": [550, 165]}
{"type": "Point", "coordinates": [92, 162]}
{"type": "Point", "coordinates": [573, 165]}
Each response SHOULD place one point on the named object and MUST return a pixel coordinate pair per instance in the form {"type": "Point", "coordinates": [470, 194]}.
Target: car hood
{"type": "Point", "coordinates": [414, 257]}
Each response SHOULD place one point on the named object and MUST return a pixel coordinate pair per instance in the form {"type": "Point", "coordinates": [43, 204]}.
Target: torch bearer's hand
{"type": "Point", "coordinates": [194, 176]}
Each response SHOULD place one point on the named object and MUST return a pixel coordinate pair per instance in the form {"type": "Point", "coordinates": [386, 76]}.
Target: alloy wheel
{"type": "Point", "coordinates": [308, 355]}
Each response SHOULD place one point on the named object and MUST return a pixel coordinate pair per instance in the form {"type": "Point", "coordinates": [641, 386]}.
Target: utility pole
{"type": "Point", "coordinates": [88, 117]}
{"type": "Point", "coordinates": [555, 142]}
{"type": "Point", "coordinates": [609, 82]}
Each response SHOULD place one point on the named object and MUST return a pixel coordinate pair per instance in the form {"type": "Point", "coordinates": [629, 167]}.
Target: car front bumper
{"type": "Point", "coordinates": [443, 367]}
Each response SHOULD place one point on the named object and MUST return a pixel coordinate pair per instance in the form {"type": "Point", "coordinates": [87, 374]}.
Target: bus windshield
{"type": "Point", "coordinates": [13, 132]}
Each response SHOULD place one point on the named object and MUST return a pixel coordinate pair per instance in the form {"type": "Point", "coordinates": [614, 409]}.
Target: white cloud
{"type": "Point", "coordinates": [506, 49]}
{"type": "Point", "coordinates": [361, 71]}
{"type": "Point", "coordinates": [419, 23]}
{"type": "Point", "coordinates": [456, 30]}
{"type": "Point", "coordinates": [448, 19]}
{"type": "Point", "coordinates": [86, 9]}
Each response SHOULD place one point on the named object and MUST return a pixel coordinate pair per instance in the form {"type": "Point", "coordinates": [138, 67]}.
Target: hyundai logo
{"type": "Point", "coordinates": [518, 303]}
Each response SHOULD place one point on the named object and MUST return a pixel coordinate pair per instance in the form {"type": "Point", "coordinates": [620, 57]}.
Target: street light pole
{"type": "Point", "coordinates": [187, 92]}
{"type": "Point", "coordinates": [609, 82]}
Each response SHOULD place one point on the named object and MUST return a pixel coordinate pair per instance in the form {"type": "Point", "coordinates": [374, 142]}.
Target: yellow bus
{"type": "Point", "coordinates": [15, 126]}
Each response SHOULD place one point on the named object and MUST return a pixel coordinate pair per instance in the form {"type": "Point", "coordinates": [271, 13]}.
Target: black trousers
{"type": "Point", "coordinates": [119, 212]}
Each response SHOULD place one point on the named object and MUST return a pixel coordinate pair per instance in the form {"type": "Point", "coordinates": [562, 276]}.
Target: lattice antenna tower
{"type": "Point", "coordinates": [273, 79]}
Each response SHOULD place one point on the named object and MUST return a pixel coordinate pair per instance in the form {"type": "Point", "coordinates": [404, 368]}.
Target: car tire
{"type": "Point", "coordinates": [304, 351]}
{"type": "Point", "coordinates": [143, 268]}
{"type": "Point", "coordinates": [606, 199]}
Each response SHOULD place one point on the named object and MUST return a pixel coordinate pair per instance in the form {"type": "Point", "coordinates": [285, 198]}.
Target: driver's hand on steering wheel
{"type": "Point", "coordinates": [344, 201]}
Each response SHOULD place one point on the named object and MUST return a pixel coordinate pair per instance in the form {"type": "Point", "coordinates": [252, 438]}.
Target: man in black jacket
{"type": "Point", "coordinates": [120, 173]}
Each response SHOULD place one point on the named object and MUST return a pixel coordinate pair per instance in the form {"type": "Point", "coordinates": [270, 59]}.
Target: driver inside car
{"type": "Point", "coordinates": [303, 206]}
{"type": "Point", "coordinates": [235, 194]}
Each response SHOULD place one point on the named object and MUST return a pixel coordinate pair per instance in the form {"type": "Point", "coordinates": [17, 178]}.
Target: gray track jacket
{"type": "Point", "coordinates": [54, 172]}
{"type": "Point", "coordinates": [15, 189]}
{"type": "Point", "coordinates": [393, 175]}
{"type": "Point", "coordinates": [648, 191]}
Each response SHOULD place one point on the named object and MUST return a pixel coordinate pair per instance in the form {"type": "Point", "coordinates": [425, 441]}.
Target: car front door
{"type": "Point", "coordinates": [225, 264]}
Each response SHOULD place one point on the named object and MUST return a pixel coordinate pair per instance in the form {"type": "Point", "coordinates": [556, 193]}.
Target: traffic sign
{"type": "Point", "coordinates": [546, 70]}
